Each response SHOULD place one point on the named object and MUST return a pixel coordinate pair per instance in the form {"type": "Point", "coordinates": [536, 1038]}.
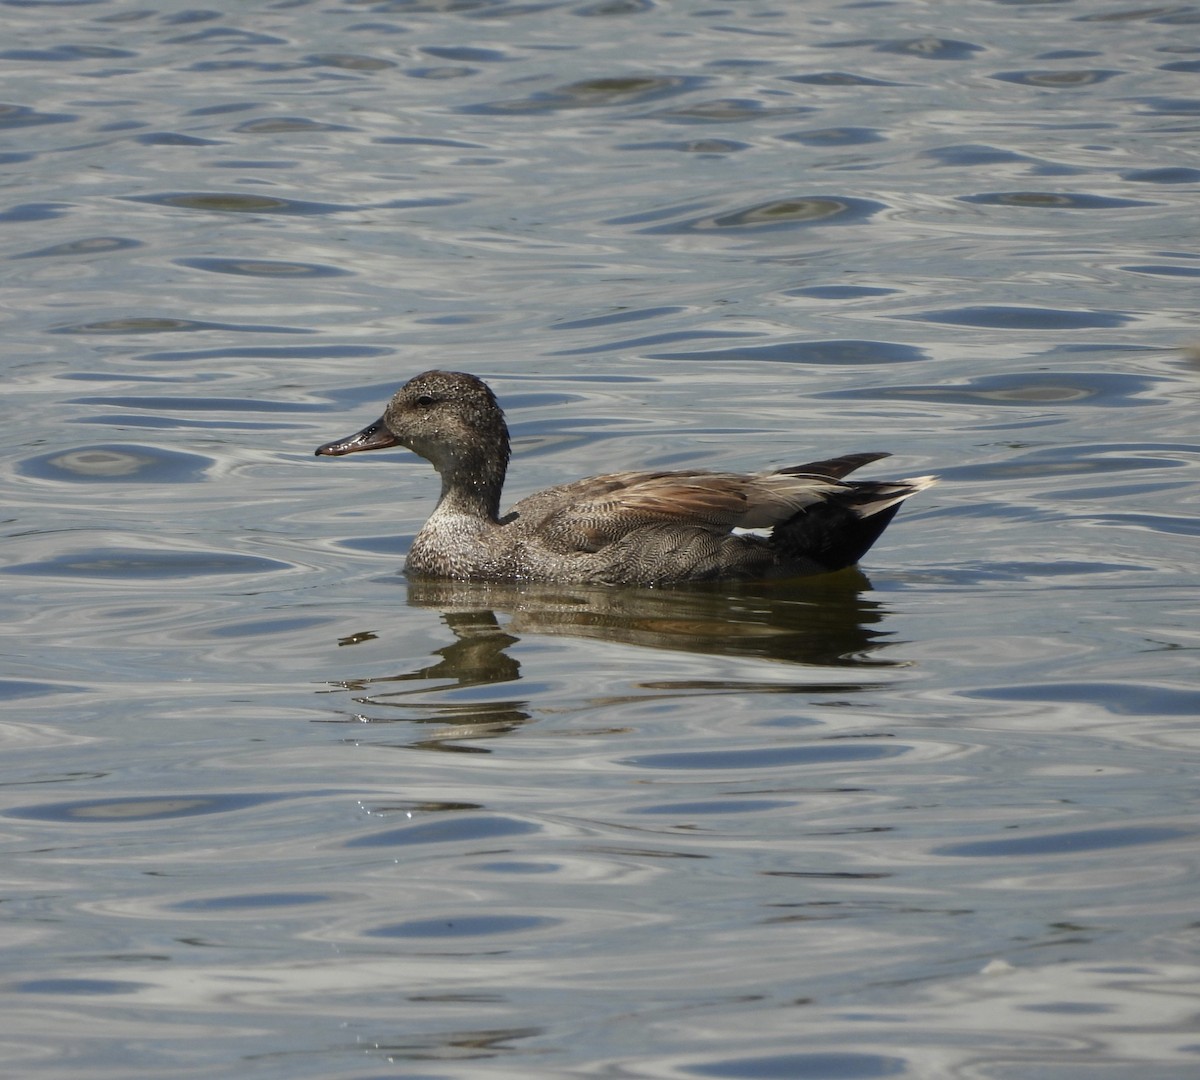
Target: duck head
{"type": "Point", "coordinates": [449, 418]}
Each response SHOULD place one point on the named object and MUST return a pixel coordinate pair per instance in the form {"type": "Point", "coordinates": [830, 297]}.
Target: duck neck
{"type": "Point", "coordinates": [472, 482]}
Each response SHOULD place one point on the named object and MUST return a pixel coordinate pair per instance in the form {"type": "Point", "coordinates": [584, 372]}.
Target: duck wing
{"type": "Point", "coordinates": [590, 514]}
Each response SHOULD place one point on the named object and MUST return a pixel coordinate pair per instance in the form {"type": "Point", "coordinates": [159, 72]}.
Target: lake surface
{"type": "Point", "coordinates": [269, 811]}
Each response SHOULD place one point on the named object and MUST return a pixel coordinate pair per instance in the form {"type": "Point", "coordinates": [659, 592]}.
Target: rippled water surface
{"type": "Point", "coordinates": [269, 811]}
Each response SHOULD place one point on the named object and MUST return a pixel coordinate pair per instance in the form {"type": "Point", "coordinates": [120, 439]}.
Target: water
{"type": "Point", "coordinates": [269, 811]}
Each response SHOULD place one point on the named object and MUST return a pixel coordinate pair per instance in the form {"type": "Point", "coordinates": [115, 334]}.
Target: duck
{"type": "Point", "coordinates": [643, 528]}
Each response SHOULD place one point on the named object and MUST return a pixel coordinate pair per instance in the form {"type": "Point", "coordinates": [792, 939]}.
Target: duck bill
{"type": "Point", "coordinates": [374, 436]}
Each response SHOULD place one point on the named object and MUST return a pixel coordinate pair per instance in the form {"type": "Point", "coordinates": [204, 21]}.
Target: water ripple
{"type": "Point", "coordinates": [122, 462]}
{"type": "Point", "coordinates": [597, 93]}
{"type": "Point", "coordinates": [783, 213]}
{"type": "Point", "coordinates": [144, 564]}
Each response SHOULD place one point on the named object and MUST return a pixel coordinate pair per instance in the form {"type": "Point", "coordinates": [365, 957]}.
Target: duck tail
{"type": "Point", "coordinates": [838, 531]}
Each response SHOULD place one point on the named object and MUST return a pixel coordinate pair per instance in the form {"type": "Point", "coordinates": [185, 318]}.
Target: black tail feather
{"type": "Point", "coordinates": [830, 535]}
{"type": "Point", "coordinates": [834, 467]}
{"type": "Point", "coordinates": [838, 531]}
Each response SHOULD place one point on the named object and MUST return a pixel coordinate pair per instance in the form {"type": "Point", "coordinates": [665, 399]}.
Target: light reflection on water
{"type": "Point", "coordinates": [271, 811]}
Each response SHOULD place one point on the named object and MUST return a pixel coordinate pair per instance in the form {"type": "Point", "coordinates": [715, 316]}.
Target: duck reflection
{"type": "Point", "coordinates": [825, 620]}
{"type": "Point", "coordinates": [829, 622]}
{"type": "Point", "coordinates": [476, 657]}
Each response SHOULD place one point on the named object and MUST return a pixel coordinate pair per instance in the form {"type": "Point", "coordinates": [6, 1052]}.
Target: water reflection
{"type": "Point", "coordinates": [828, 621]}
{"type": "Point", "coordinates": [825, 620]}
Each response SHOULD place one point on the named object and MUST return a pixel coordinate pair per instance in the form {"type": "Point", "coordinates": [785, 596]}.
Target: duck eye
{"type": "Point", "coordinates": [425, 401]}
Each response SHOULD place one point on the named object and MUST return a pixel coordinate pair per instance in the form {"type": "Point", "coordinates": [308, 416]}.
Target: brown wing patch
{"type": "Point", "coordinates": [590, 515]}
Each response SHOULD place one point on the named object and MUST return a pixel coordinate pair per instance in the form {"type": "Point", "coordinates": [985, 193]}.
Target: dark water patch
{"type": "Point", "coordinates": [454, 829]}
{"type": "Point", "coordinates": [264, 268]}
{"type": "Point", "coordinates": [349, 61]}
{"type": "Point", "coordinates": [1160, 523]}
{"type": "Point", "coordinates": [787, 213]}
{"type": "Point", "coordinates": [965, 574]}
{"type": "Point", "coordinates": [224, 109]}
{"type": "Point", "coordinates": [974, 154]}
{"type": "Point", "coordinates": [141, 564]}
{"type": "Point", "coordinates": [931, 48]}
{"type": "Point", "coordinates": [838, 78]}
{"type": "Point", "coordinates": [83, 987]}
{"type": "Point", "coordinates": [1069, 842]}
{"type": "Point", "coordinates": [226, 35]}
{"type": "Point", "coordinates": [258, 903]}
{"type": "Point", "coordinates": [92, 245]}
{"type": "Point", "coordinates": [241, 203]}
{"type": "Point", "coordinates": [610, 318]}
{"type": "Point", "coordinates": [227, 67]}
{"type": "Point", "coordinates": [254, 164]}
{"type": "Point", "coordinates": [828, 1066]}
{"type": "Point", "coordinates": [1058, 79]}
{"type": "Point", "coordinates": [173, 138]}
{"type": "Point", "coordinates": [841, 136]}
{"type": "Point", "coordinates": [152, 324]}
{"type": "Point", "coordinates": [610, 8]}
{"type": "Point", "coordinates": [177, 18]}
{"type": "Point", "coordinates": [839, 292]}
{"type": "Point", "coordinates": [444, 71]}
{"type": "Point", "coordinates": [1051, 200]}
{"type": "Point", "coordinates": [66, 54]}
{"type": "Point", "coordinates": [233, 202]}
{"type": "Point", "coordinates": [264, 352]}
{"type": "Point", "coordinates": [205, 404]}
{"type": "Point", "coordinates": [1170, 14]}
{"type": "Point", "coordinates": [29, 213]}
{"type": "Point", "coordinates": [123, 377]}
{"type": "Point", "coordinates": [824, 353]}
{"type": "Point", "coordinates": [168, 423]}
{"type": "Point", "coordinates": [466, 54]}
{"type": "Point", "coordinates": [1117, 698]}
{"type": "Point", "coordinates": [715, 806]}
{"type": "Point", "coordinates": [455, 926]}
{"type": "Point", "coordinates": [12, 689]}
{"type": "Point", "coordinates": [1177, 175]}
{"type": "Point", "coordinates": [1070, 1008]}
{"type": "Point", "coordinates": [673, 338]}
{"type": "Point", "coordinates": [727, 111]}
{"type": "Point", "coordinates": [1094, 350]}
{"type": "Point", "coordinates": [277, 125]}
{"type": "Point", "coordinates": [1012, 317]}
{"type": "Point", "coordinates": [1162, 270]}
{"type": "Point", "coordinates": [117, 462]}
{"type": "Point", "coordinates": [689, 146]}
{"type": "Point", "coordinates": [425, 140]}
{"type": "Point", "coordinates": [19, 116]}
{"type": "Point", "coordinates": [138, 808]}
{"type": "Point", "coordinates": [764, 757]}
{"type": "Point", "coordinates": [614, 378]}
{"type": "Point", "coordinates": [487, 9]}
{"type": "Point", "coordinates": [1089, 459]}
{"type": "Point", "coordinates": [622, 90]}
{"type": "Point", "coordinates": [1023, 388]}
{"type": "Point", "coordinates": [514, 866]}
{"type": "Point", "coordinates": [1189, 66]}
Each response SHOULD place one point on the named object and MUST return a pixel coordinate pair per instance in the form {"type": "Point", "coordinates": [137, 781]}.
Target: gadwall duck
{"type": "Point", "coordinates": [628, 528]}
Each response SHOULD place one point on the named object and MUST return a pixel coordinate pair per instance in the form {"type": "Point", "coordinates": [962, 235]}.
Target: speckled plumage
{"type": "Point", "coordinates": [632, 528]}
